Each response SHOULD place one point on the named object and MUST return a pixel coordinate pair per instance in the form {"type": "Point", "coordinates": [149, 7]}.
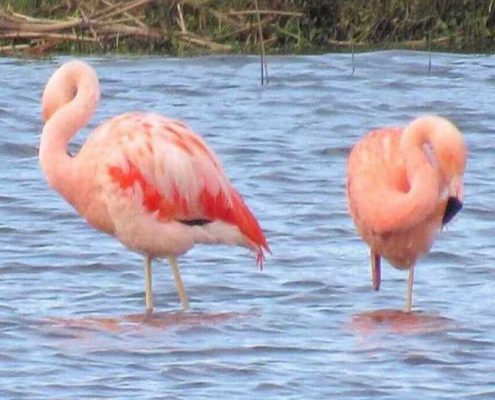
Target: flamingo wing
{"type": "Point", "coordinates": [381, 195]}
{"type": "Point", "coordinates": [376, 180]}
{"type": "Point", "coordinates": [161, 169]}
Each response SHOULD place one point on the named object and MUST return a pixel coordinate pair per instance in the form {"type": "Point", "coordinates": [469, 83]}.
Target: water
{"type": "Point", "coordinates": [71, 299]}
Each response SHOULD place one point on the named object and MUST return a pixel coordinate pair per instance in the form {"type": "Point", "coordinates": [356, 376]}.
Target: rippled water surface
{"type": "Point", "coordinates": [71, 299]}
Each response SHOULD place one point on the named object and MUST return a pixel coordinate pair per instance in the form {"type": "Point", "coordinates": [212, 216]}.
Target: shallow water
{"type": "Point", "coordinates": [306, 327]}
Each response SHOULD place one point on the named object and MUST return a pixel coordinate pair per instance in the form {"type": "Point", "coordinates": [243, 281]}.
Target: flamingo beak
{"type": "Point", "coordinates": [454, 205]}
{"type": "Point", "coordinates": [454, 201]}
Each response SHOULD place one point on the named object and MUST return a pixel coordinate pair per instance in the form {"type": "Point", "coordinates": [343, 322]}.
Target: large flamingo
{"type": "Point", "coordinates": [146, 179]}
{"type": "Point", "coordinates": [403, 185]}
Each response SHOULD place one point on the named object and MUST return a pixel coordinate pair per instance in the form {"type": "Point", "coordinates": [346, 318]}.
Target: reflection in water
{"type": "Point", "coordinates": [136, 322]}
{"type": "Point", "coordinates": [398, 322]}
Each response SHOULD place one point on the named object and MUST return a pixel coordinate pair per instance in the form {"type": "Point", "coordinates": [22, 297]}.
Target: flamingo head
{"type": "Point", "coordinates": [66, 83]}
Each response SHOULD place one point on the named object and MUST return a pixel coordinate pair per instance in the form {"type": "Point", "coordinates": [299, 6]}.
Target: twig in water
{"type": "Point", "coordinates": [264, 67]}
{"type": "Point", "coordinates": [429, 53]}
{"type": "Point", "coordinates": [353, 54]}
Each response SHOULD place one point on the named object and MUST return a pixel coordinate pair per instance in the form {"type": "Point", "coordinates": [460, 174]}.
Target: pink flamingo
{"type": "Point", "coordinates": [146, 179]}
{"type": "Point", "coordinates": [403, 185]}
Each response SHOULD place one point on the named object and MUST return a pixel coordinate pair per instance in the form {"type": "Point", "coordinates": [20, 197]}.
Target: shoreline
{"type": "Point", "coordinates": [275, 27]}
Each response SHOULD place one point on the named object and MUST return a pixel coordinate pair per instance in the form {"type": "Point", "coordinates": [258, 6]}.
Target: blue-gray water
{"type": "Point", "coordinates": [70, 297]}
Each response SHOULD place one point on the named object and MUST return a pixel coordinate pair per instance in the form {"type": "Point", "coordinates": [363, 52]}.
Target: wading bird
{"type": "Point", "coordinates": [403, 185]}
{"type": "Point", "coordinates": [146, 179]}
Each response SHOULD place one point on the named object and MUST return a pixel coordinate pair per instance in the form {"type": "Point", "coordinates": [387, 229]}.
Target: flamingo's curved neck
{"type": "Point", "coordinates": [421, 170]}
{"type": "Point", "coordinates": [69, 101]}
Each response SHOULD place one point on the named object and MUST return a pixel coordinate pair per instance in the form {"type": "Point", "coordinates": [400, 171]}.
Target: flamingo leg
{"type": "Point", "coordinates": [148, 279]}
{"type": "Point", "coordinates": [410, 282]}
{"type": "Point", "coordinates": [178, 283]}
{"type": "Point", "coordinates": [375, 270]}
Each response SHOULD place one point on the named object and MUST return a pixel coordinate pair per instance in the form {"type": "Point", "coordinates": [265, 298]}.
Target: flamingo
{"type": "Point", "coordinates": [148, 180]}
{"type": "Point", "coordinates": [403, 185]}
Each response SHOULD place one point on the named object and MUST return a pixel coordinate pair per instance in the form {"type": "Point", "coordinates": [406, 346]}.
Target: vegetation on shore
{"type": "Point", "coordinates": [234, 26]}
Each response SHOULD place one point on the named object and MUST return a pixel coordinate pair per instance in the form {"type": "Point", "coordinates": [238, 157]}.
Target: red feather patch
{"type": "Point", "coordinates": [215, 207]}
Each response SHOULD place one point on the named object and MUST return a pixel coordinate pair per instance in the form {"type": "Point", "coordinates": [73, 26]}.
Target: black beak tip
{"type": "Point", "coordinates": [453, 207]}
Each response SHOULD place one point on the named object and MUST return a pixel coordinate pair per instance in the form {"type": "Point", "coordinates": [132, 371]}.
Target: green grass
{"type": "Point", "coordinates": [465, 25]}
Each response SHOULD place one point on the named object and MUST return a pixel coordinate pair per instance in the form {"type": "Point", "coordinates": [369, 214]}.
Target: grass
{"type": "Point", "coordinates": [212, 26]}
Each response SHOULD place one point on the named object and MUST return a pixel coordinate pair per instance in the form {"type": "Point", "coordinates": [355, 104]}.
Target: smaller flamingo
{"type": "Point", "coordinates": [146, 179]}
{"type": "Point", "coordinates": [403, 185]}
